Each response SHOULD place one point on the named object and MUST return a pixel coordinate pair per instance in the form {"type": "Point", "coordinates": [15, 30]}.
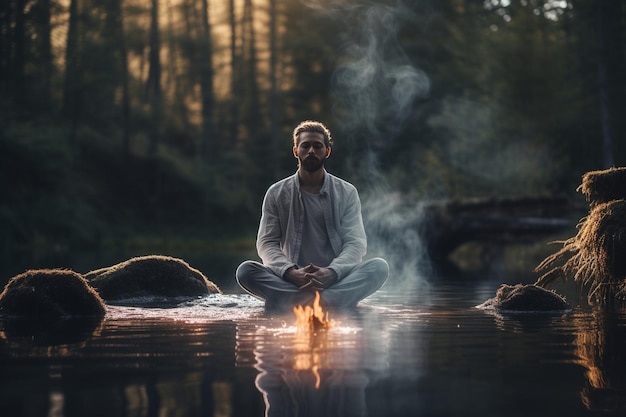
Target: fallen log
{"type": "Point", "coordinates": [450, 224]}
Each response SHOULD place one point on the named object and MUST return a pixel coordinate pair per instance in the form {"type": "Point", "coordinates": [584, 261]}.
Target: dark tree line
{"type": "Point", "coordinates": [178, 112]}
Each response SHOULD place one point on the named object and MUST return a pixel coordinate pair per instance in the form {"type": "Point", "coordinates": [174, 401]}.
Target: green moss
{"type": "Point", "coordinates": [50, 294]}
{"type": "Point", "coordinates": [148, 277]}
{"type": "Point", "coordinates": [603, 186]}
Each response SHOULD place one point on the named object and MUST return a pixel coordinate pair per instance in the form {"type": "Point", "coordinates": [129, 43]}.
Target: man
{"type": "Point", "coordinates": [311, 236]}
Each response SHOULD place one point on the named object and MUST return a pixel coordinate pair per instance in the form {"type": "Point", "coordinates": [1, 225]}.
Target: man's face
{"type": "Point", "coordinates": [311, 151]}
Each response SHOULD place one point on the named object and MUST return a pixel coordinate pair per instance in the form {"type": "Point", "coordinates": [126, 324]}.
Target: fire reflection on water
{"type": "Point", "coordinates": [312, 323]}
{"type": "Point", "coordinates": [600, 347]}
{"type": "Point", "coordinates": [309, 350]}
{"type": "Point", "coordinates": [321, 371]}
{"type": "Point", "coordinates": [383, 358]}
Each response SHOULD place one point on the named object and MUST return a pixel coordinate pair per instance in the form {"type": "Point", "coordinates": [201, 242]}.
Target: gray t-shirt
{"type": "Point", "coordinates": [316, 247]}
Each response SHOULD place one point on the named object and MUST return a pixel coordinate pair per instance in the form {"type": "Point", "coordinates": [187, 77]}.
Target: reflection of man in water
{"type": "Point", "coordinates": [315, 375]}
{"type": "Point", "coordinates": [311, 236]}
{"type": "Point", "coordinates": [293, 393]}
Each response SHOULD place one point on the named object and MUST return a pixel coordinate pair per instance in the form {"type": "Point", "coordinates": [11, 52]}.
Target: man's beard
{"type": "Point", "coordinates": [311, 164]}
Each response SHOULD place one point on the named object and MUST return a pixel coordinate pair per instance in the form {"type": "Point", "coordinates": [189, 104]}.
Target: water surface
{"type": "Point", "coordinates": [399, 353]}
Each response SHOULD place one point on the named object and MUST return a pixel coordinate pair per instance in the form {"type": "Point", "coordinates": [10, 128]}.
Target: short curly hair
{"type": "Point", "coordinates": [312, 126]}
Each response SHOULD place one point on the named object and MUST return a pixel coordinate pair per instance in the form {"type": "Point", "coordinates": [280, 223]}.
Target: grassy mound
{"type": "Point", "coordinates": [596, 256]}
{"type": "Point", "coordinates": [526, 298]}
{"type": "Point", "coordinates": [603, 186]}
{"type": "Point", "coordinates": [50, 294]}
{"type": "Point", "coordinates": [150, 277]}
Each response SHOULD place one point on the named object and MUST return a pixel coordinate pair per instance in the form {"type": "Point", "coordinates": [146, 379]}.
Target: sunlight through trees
{"type": "Point", "coordinates": [180, 111]}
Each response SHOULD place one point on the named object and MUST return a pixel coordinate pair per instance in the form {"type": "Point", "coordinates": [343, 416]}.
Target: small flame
{"type": "Point", "coordinates": [312, 318]}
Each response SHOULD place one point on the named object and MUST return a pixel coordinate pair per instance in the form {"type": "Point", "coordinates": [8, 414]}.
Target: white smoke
{"type": "Point", "coordinates": [517, 161]}
{"type": "Point", "coordinates": [393, 228]}
{"type": "Point", "coordinates": [376, 86]}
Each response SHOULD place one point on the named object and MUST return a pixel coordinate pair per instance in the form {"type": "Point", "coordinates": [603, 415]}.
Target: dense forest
{"type": "Point", "coordinates": [169, 118]}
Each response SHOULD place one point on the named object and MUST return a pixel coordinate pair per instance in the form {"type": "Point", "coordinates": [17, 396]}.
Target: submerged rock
{"type": "Point", "coordinates": [144, 279]}
{"type": "Point", "coordinates": [50, 294]}
{"type": "Point", "coordinates": [526, 298]}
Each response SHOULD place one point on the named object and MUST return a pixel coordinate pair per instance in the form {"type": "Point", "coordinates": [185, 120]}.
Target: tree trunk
{"type": "Point", "coordinates": [252, 90]}
{"type": "Point", "coordinates": [206, 83]}
{"type": "Point", "coordinates": [154, 79]}
{"type": "Point", "coordinates": [19, 39]}
{"type": "Point", "coordinates": [154, 94]}
{"type": "Point", "coordinates": [173, 66]}
{"type": "Point", "coordinates": [116, 40]}
{"type": "Point", "coordinates": [234, 77]}
{"type": "Point", "coordinates": [126, 113]}
{"type": "Point", "coordinates": [604, 33]}
{"type": "Point", "coordinates": [44, 29]}
{"type": "Point", "coordinates": [273, 98]}
{"type": "Point", "coordinates": [71, 89]}
{"type": "Point", "coordinates": [5, 47]}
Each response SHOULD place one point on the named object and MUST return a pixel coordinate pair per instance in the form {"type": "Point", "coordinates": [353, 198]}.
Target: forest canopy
{"type": "Point", "coordinates": [172, 117]}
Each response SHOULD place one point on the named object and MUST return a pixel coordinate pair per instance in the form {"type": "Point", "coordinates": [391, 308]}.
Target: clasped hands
{"type": "Point", "coordinates": [311, 277]}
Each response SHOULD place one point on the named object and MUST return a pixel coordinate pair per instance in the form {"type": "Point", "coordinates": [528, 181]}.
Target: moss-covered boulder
{"type": "Point", "coordinates": [596, 256]}
{"type": "Point", "coordinates": [151, 278]}
{"type": "Point", "coordinates": [603, 186]}
{"type": "Point", "coordinates": [48, 295]}
{"type": "Point", "coordinates": [525, 298]}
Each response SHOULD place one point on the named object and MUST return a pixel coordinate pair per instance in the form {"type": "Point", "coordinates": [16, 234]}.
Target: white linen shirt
{"type": "Point", "coordinates": [282, 219]}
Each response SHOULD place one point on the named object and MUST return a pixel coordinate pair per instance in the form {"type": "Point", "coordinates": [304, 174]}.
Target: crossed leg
{"type": "Point", "coordinates": [364, 279]}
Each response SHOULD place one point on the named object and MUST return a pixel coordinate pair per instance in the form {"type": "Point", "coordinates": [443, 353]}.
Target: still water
{"type": "Point", "coordinates": [399, 353]}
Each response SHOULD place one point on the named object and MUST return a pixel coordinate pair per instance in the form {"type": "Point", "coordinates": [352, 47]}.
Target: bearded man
{"type": "Point", "coordinates": [311, 236]}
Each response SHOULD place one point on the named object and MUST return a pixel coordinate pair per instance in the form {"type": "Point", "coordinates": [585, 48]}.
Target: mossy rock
{"type": "Point", "coordinates": [50, 294]}
{"type": "Point", "coordinates": [526, 298]}
{"type": "Point", "coordinates": [151, 278]}
{"type": "Point", "coordinates": [603, 186]}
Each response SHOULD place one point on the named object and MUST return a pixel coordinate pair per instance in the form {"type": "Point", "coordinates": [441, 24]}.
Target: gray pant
{"type": "Point", "coordinates": [362, 281]}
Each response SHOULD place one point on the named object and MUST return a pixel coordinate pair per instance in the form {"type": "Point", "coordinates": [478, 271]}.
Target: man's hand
{"type": "Point", "coordinates": [320, 277]}
{"type": "Point", "coordinates": [297, 277]}
{"type": "Point", "coordinates": [311, 278]}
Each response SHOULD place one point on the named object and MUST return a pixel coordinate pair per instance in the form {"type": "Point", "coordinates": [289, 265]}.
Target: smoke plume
{"type": "Point", "coordinates": [376, 86]}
